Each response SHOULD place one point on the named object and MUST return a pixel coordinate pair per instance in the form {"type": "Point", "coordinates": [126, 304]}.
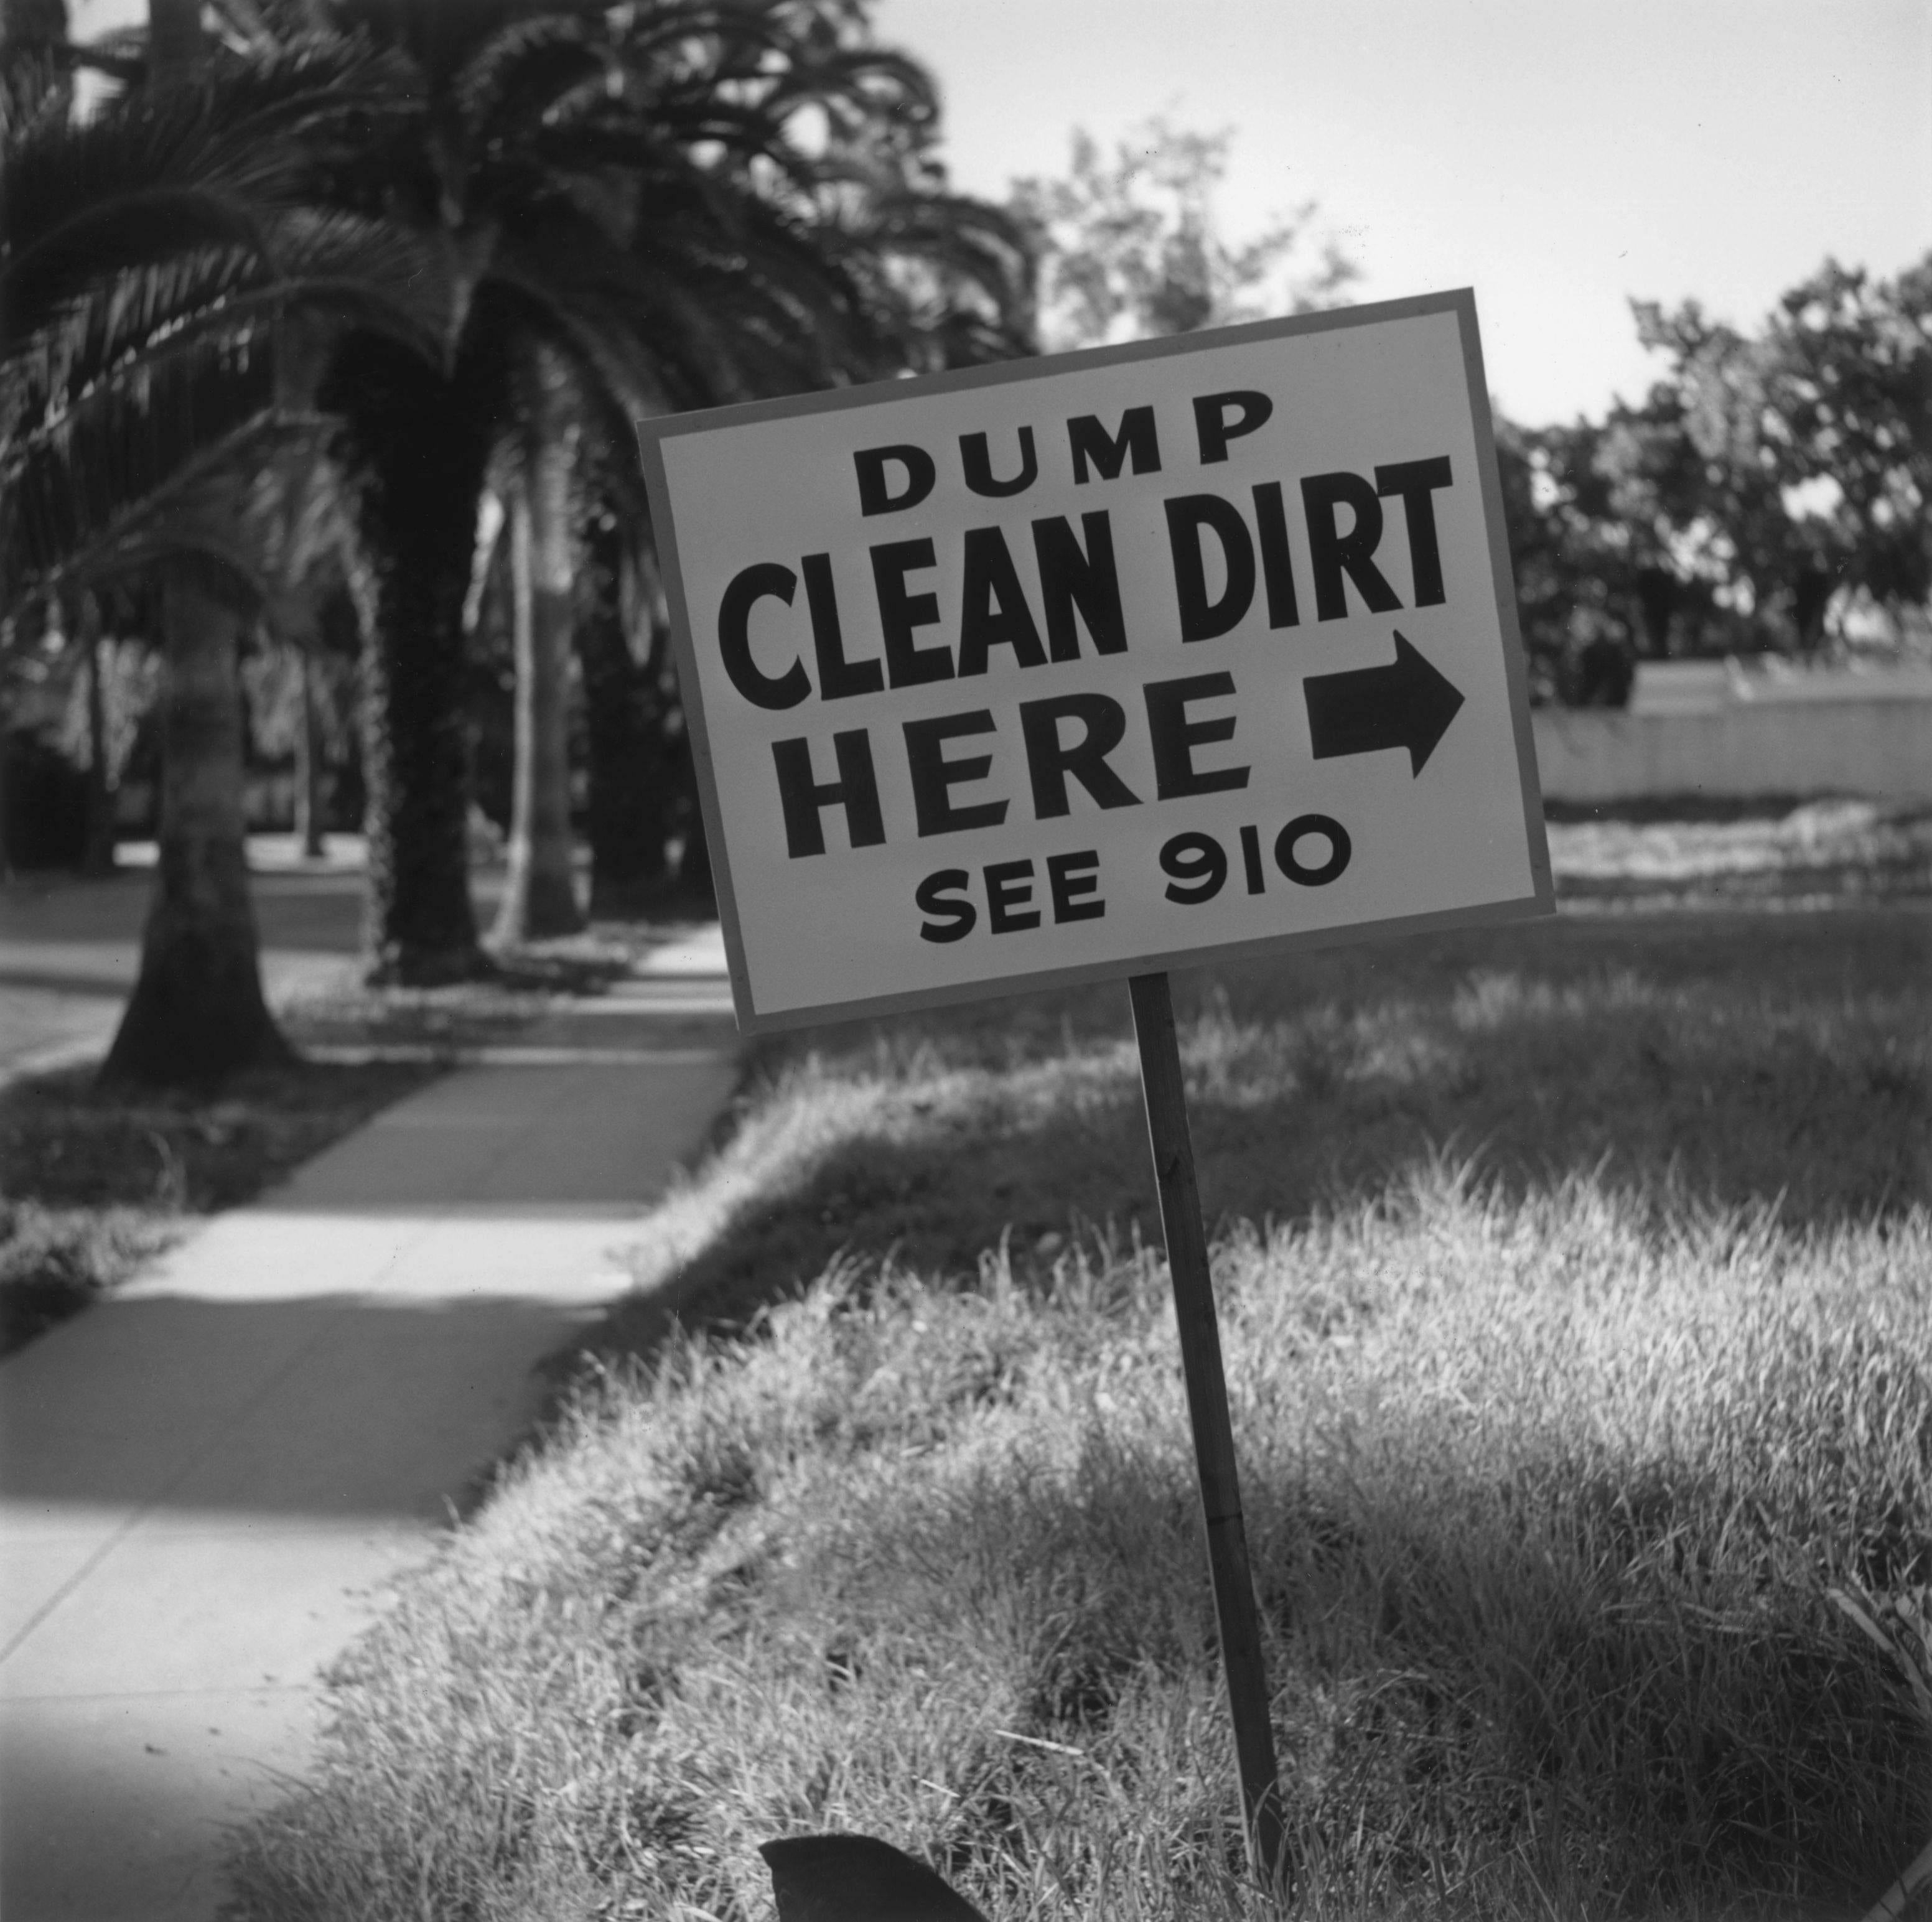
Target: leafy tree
{"type": "Point", "coordinates": [1132, 248]}
{"type": "Point", "coordinates": [1815, 439]}
{"type": "Point", "coordinates": [1602, 577]}
{"type": "Point", "coordinates": [1762, 479]}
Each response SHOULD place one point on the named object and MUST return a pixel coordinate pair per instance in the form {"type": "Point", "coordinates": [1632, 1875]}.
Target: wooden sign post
{"type": "Point", "coordinates": [1092, 666]}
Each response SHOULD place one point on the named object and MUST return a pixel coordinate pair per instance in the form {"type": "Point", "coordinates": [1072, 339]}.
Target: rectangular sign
{"type": "Point", "coordinates": [1101, 664]}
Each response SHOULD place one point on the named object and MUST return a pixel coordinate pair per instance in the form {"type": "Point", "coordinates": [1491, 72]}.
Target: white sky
{"type": "Point", "coordinates": [1558, 156]}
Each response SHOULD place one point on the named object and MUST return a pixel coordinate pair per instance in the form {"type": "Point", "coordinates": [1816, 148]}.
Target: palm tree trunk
{"type": "Point", "coordinates": [541, 896]}
{"type": "Point", "coordinates": [420, 443]}
{"type": "Point", "coordinates": [197, 1013]}
{"type": "Point", "coordinates": [419, 925]}
{"type": "Point", "coordinates": [98, 855]}
{"type": "Point", "coordinates": [308, 755]}
{"type": "Point", "coordinates": [629, 810]}
{"type": "Point", "coordinates": [695, 883]}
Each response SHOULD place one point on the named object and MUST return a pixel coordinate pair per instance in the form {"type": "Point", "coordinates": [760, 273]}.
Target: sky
{"type": "Point", "coordinates": [1560, 157]}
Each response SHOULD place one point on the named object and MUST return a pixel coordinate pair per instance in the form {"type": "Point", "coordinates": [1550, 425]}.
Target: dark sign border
{"type": "Point", "coordinates": [1461, 301]}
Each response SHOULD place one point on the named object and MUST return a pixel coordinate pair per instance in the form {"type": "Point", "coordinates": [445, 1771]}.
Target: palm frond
{"type": "Point", "coordinates": [35, 88]}
{"type": "Point", "coordinates": [383, 275]}
{"type": "Point", "coordinates": [214, 307]}
{"type": "Point", "coordinates": [138, 310]}
{"type": "Point", "coordinates": [120, 499]}
{"type": "Point", "coordinates": [586, 301]}
{"type": "Point", "coordinates": [528, 71]}
{"type": "Point", "coordinates": [186, 166]}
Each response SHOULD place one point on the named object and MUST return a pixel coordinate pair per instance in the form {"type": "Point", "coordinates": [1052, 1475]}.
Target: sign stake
{"type": "Point", "coordinates": [1207, 1411]}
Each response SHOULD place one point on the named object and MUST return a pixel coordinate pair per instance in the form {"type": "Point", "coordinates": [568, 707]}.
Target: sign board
{"type": "Point", "coordinates": [1101, 664]}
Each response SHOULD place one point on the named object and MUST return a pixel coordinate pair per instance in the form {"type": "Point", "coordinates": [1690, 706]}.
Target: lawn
{"type": "Point", "coordinates": [94, 1184]}
{"type": "Point", "coordinates": [1576, 1281]}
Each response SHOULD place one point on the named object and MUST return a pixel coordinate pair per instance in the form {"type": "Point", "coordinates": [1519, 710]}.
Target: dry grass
{"type": "Point", "coordinates": [1566, 1446]}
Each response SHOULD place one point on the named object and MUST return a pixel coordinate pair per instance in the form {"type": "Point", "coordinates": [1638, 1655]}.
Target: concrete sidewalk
{"type": "Point", "coordinates": [207, 1483]}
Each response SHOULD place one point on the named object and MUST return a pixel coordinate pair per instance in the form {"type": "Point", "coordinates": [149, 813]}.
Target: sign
{"type": "Point", "coordinates": [1101, 664]}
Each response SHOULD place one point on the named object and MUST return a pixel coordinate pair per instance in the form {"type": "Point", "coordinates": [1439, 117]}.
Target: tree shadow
{"type": "Point", "coordinates": [343, 1407]}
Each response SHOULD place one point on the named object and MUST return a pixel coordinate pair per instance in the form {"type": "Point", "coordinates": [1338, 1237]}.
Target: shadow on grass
{"type": "Point", "coordinates": [1732, 1061]}
{"type": "Point", "coordinates": [64, 1142]}
{"type": "Point", "coordinates": [93, 1183]}
{"type": "Point", "coordinates": [514, 988]}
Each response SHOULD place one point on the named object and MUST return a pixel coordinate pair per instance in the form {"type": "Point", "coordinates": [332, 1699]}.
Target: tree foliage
{"type": "Point", "coordinates": [150, 258]}
{"type": "Point", "coordinates": [1816, 439]}
{"type": "Point", "coordinates": [1767, 486]}
{"type": "Point", "coordinates": [1131, 246]}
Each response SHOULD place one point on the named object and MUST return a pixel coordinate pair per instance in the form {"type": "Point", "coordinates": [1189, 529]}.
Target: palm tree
{"type": "Point", "coordinates": [622, 633]}
{"type": "Point", "coordinates": [308, 541]}
{"type": "Point", "coordinates": [635, 222]}
{"type": "Point", "coordinates": [541, 896]}
{"type": "Point", "coordinates": [149, 260]}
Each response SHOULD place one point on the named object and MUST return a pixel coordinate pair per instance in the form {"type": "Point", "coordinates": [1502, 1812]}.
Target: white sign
{"type": "Point", "coordinates": [1101, 664]}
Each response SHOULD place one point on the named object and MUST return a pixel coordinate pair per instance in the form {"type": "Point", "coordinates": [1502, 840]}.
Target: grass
{"type": "Point", "coordinates": [522, 984]}
{"type": "Point", "coordinates": [1574, 1286]}
{"type": "Point", "coordinates": [1817, 851]}
{"type": "Point", "coordinates": [92, 1184]}
{"type": "Point", "coordinates": [1729, 1056]}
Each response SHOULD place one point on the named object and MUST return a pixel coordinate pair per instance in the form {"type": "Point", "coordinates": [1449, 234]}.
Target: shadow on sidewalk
{"type": "Point", "coordinates": [324, 1406]}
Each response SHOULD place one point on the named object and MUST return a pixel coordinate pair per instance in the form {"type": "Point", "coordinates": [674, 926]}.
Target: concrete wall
{"type": "Point", "coordinates": [1880, 747]}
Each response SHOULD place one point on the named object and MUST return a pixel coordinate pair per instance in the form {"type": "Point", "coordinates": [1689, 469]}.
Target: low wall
{"type": "Point", "coordinates": [1881, 747]}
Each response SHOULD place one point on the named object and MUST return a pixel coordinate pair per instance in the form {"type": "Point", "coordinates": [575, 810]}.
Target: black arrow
{"type": "Point", "coordinates": [1407, 704]}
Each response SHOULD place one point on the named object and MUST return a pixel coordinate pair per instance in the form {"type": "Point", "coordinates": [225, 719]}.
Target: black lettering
{"type": "Point", "coordinates": [1195, 864]}
{"type": "Point", "coordinates": [1175, 737]}
{"type": "Point", "coordinates": [875, 495]}
{"type": "Point", "coordinates": [1339, 849]}
{"type": "Point", "coordinates": [1071, 876]}
{"type": "Point", "coordinates": [900, 613]}
{"type": "Point", "coordinates": [1089, 441]}
{"type": "Point", "coordinates": [1009, 888]}
{"type": "Point", "coordinates": [1089, 582]}
{"type": "Point", "coordinates": [933, 776]}
{"type": "Point", "coordinates": [1050, 761]}
{"type": "Point", "coordinates": [749, 585]}
{"type": "Point", "coordinates": [943, 893]}
{"type": "Point", "coordinates": [838, 679]}
{"type": "Point", "coordinates": [1201, 619]}
{"type": "Point", "coordinates": [978, 464]}
{"type": "Point", "coordinates": [1414, 480]}
{"type": "Point", "coordinates": [1212, 424]}
{"type": "Point", "coordinates": [993, 609]}
{"type": "Point", "coordinates": [1251, 859]}
{"type": "Point", "coordinates": [804, 799]}
{"type": "Point", "coordinates": [1334, 554]}
{"type": "Point", "coordinates": [1277, 562]}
